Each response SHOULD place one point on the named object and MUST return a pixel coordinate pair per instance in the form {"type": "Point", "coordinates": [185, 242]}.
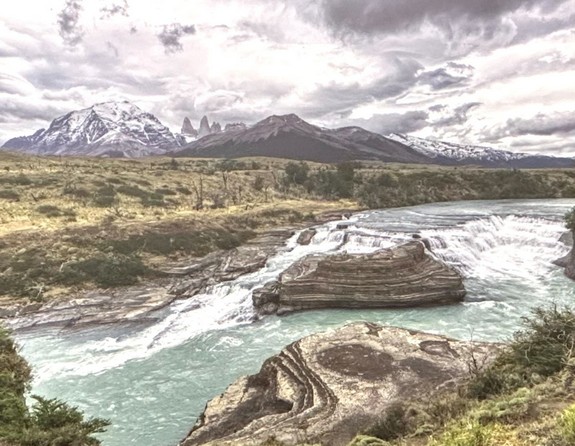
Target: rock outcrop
{"type": "Point", "coordinates": [403, 276]}
{"type": "Point", "coordinates": [216, 127]}
{"type": "Point", "coordinates": [306, 236]}
{"type": "Point", "coordinates": [188, 128]}
{"type": "Point", "coordinates": [140, 304]}
{"type": "Point", "coordinates": [326, 387]}
{"type": "Point", "coordinates": [567, 261]}
{"type": "Point", "coordinates": [204, 127]}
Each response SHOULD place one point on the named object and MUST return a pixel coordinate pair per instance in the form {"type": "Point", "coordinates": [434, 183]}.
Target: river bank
{"type": "Point", "coordinates": [154, 381]}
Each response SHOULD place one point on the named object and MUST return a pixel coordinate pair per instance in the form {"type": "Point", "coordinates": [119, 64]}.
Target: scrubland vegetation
{"type": "Point", "coordinates": [71, 223]}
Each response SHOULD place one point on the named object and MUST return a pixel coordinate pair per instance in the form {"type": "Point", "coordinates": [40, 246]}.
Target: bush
{"type": "Point", "coordinates": [567, 425]}
{"type": "Point", "coordinates": [105, 270]}
{"type": "Point", "coordinates": [9, 195]}
{"type": "Point", "coordinates": [540, 350]}
{"type": "Point", "coordinates": [50, 422]}
{"type": "Point", "coordinates": [49, 210]}
{"type": "Point", "coordinates": [570, 220]}
{"type": "Point", "coordinates": [393, 425]}
{"type": "Point", "coordinates": [466, 433]}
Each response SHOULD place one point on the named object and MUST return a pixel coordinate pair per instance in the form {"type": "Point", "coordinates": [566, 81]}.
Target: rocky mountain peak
{"type": "Point", "coordinates": [188, 128]}
{"type": "Point", "coordinates": [204, 127]}
{"type": "Point", "coordinates": [216, 127]}
{"type": "Point", "coordinates": [108, 128]}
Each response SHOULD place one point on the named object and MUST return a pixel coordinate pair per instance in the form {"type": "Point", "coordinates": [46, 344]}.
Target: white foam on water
{"type": "Point", "coordinates": [488, 249]}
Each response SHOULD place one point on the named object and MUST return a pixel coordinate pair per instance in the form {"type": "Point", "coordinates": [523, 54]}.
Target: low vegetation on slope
{"type": "Point", "coordinates": [67, 224]}
{"type": "Point", "coordinates": [49, 422]}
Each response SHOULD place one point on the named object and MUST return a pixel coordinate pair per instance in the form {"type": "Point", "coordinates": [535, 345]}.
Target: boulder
{"type": "Point", "coordinates": [327, 387]}
{"type": "Point", "coordinates": [403, 276]}
{"type": "Point", "coordinates": [306, 236]}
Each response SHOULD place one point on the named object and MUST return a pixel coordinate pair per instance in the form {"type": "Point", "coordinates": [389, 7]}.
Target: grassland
{"type": "Point", "coordinates": [74, 223]}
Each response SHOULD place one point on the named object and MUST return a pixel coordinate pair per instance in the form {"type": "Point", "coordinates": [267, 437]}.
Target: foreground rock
{"type": "Point", "coordinates": [567, 261]}
{"type": "Point", "coordinates": [326, 387]}
{"type": "Point", "coordinates": [403, 276]}
{"type": "Point", "coordinates": [140, 304]}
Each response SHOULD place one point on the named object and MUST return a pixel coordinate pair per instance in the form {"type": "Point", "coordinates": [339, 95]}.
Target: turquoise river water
{"type": "Point", "coordinates": [153, 382]}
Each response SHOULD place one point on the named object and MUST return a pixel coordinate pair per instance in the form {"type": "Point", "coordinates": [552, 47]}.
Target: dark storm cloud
{"type": "Point", "coordinates": [446, 77]}
{"type": "Point", "coordinates": [17, 109]}
{"type": "Point", "coordinates": [171, 36]}
{"type": "Point", "coordinates": [457, 117]}
{"type": "Point", "coordinates": [69, 23]}
{"type": "Point", "coordinates": [337, 97]}
{"type": "Point", "coordinates": [553, 124]}
{"type": "Point", "coordinates": [390, 16]}
{"type": "Point", "coordinates": [115, 9]}
{"type": "Point", "coordinates": [385, 124]}
{"type": "Point", "coordinates": [542, 124]}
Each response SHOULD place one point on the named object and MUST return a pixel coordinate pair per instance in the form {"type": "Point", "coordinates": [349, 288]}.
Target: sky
{"type": "Point", "coordinates": [499, 73]}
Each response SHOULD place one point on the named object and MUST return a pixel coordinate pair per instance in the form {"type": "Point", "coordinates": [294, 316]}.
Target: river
{"type": "Point", "coordinates": [152, 382]}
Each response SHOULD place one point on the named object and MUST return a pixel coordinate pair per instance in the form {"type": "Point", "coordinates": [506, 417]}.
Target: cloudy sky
{"type": "Point", "coordinates": [490, 72]}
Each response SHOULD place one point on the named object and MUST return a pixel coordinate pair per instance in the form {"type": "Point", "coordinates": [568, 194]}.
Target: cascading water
{"type": "Point", "coordinates": [153, 382]}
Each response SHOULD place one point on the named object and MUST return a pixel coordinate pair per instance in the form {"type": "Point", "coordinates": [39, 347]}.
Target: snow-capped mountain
{"type": "Point", "coordinates": [442, 152]}
{"type": "Point", "coordinates": [118, 129]}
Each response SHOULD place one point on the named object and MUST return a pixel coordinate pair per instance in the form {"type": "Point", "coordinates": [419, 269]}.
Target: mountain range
{"type": "Point", "coordinates": [121, 129]}
{"type": "Point", "coordinates": [115, 129]}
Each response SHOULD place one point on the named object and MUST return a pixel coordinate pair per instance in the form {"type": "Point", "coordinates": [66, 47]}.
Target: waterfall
{"type": "Point", "coordinates": [493, 248]}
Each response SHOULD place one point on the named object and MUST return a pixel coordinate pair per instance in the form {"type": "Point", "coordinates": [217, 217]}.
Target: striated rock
{"type": "Point", "coordinates": [222, 266]}
{"type": "Point", "coordinates": [188, 129]}
{"type": "Point", "coordinates": [140, 304]}
{"type": "Point", "coordinates": [403, 276]}
{"type": "Point", "coordinates": [326, 387]}
{"type": "Point", "coordinates": [306, 236]}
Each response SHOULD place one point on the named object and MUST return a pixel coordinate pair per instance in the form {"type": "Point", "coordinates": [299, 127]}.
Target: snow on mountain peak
{"type": "Point", "coordinates": [120, 128]}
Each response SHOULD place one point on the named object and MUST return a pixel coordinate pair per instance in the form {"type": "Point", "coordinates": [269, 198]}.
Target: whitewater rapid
{"type": "Point", "coordinates": [504, 250]}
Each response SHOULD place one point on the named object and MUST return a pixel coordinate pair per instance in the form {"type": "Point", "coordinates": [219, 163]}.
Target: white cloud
{"type": "Point", "coordinates": [248, 59]}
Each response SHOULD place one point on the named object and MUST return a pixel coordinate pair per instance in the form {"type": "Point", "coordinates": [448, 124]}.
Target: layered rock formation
{"type": "Point", "coordinates": [326, 387]}
{"type": "Point", "coordinates": [399, 277]}
{"type": "Point", "coordinates": [140, 304]}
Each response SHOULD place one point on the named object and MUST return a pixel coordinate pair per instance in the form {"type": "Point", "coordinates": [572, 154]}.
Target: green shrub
{"type": "Point", "coordinates": [49, 422]}
{"type": "Point", "coordinates": [49, 210]}
{"type": "Point", "coordinates": [393, 425]}
{"type": "Point", "coordinates": [570, 220]}
{"type": "Point", "coordinates": [133, 191]}
{"type": "Point", "coordinates": [540, 350]}
{"type": "Point", "coordinates": [105, 270]}
{"type": "Point", "coordinates": [466, 433]}
{"type": "Point", "coordinates": [8, 194]}
{"type": "Point", "coordinates": [567, 425]}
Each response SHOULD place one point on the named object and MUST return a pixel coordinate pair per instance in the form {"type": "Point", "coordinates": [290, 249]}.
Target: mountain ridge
{"type": "Point", "coordinates": [121, 129]}
{"type": "Point", "coordinates": [118, 129]}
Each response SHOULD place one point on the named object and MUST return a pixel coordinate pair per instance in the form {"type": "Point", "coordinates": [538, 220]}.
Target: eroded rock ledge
{"type": "Point", "coordinates": [140, 304]}
{"type": "Point", "coordinates": [403, 276]}
{"type": "Point", "coordinates": [326, 387]}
